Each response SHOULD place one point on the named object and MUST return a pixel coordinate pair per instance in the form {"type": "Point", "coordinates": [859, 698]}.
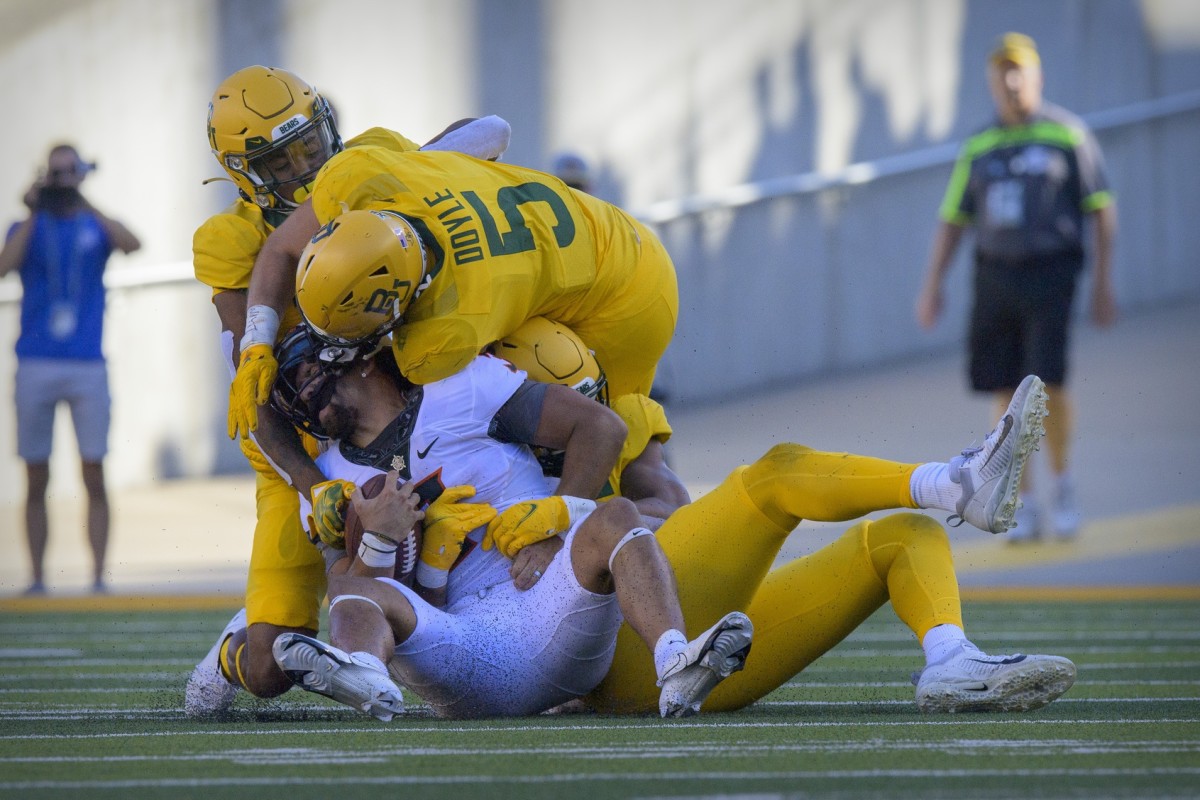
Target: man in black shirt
{"type": "Point", "coordinates": [1026, 183]}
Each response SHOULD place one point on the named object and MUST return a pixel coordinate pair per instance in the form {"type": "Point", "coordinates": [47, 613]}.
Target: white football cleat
{"type": "Point", "coordinates": [325, 670]}
{"type": "Point", "coordinates": [208, 694]}
{"type": "Point", "coordinates": [975, 681]}
{"type": "Point", "coordinates": [706, 661]}
{"type": "Point", "coordinates": [990, 475]}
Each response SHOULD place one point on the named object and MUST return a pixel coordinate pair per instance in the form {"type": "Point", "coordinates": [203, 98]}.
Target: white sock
{"type": "Point", "coordinates": [942, 642]}
{"type": "Point", "coordinates": [369, 660]}
{"type": "Point", "coordinates": [931, 487]}
{"type": "Point", "coordinates": [668, 646]}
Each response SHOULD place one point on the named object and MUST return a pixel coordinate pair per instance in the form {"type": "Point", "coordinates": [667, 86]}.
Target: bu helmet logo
{"type": "Point", "coordinates": [383, 301]}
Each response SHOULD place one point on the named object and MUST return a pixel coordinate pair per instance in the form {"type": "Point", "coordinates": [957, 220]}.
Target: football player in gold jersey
{"type": "Point", "coordinates": [722, 548]}
{"type": "Point", "coordinates": [271, 131]}
{"type": "Point", "coordinates": [498, 244]}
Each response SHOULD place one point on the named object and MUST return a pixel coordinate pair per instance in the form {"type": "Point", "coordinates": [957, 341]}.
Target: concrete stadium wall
{"type": "Point", "coordinates": [667, 99]}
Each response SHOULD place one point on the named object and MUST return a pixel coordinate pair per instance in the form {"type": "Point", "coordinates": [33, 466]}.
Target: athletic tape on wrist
{"type": "Point", "coordinates": [342, 597]}
{"type": "Point", "coordinates": [377, 550]}
{"type": "Point", "coordinates": [262, 326]}
{"type": "Point", "coordinates": [577, 507]}
{"type": "Point", "coordinates": [626, 539]}
{"type": "Point", "coordinates": [432, 577]}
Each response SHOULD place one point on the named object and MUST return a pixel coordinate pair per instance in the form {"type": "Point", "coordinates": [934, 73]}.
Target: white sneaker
{"type": "Point", "coordinates": [208, 694]}
{"type": "Point", "coordinates": [990, 475]}
{"type": "Point", "coordinates": [1027, 526]}
{"type": "Point", "coordinates": [326, 670]}
{"type": "Point", "coordinates": [974, 681]}
{"type": "Point", "coordinates": [706, 661]}
{"type": "Point", "coordinates": [1066, 516]}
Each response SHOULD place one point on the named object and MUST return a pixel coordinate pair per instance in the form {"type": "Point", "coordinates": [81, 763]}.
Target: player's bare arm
{"type": "Point", "coordinates": [929, 301]}
{"type": "Point", "coordinates": [273, 282]}
{"type": "Point", "coordinates": [653, 486]}
{"type": "Point", "coordinates": [590, 434]}
{"type": "Point", "coordinates": [279, 440]}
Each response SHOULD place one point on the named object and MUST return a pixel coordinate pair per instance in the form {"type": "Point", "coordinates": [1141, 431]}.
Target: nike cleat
{"type": "Point", "coordinates": [325, 670]}
{"type": "Point", "coordinates": [706, 661]}
{"type": "Point", "coordinates": [974, 681]}
{"type": "Point", "coordinates": [990, 475]}
{"type": "Point", "coordinates": [208, 693]}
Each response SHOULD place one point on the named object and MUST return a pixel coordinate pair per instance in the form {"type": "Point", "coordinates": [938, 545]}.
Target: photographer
{"type": "Point", "coordinates": [60, 251]}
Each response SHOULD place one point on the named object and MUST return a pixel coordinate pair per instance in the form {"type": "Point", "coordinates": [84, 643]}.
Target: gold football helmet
{"type": "Point", "coordinates": [271, 132]}
{"type": "Point", "coordinates": [552, 353]}
{"type": "Point", "coordinates": [358, 275]}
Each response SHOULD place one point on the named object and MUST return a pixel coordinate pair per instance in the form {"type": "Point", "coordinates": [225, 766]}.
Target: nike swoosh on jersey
{"type": "Point", "coordinates": [425, 452]}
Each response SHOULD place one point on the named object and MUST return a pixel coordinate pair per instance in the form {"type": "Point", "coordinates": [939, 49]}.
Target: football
{"type": "Point", "coordinates": [410, 548]}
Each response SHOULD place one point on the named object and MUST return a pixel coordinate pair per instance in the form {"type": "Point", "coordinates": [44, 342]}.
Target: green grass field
{"type": "Point", "coordinates": [90, 706]}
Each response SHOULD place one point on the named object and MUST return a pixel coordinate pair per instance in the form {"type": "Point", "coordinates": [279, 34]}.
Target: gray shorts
{"type": "Point", "coordinates": [41, 384]}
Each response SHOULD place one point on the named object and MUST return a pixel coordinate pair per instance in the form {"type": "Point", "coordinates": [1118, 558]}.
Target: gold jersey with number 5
{"type": "Point", "coordinates": [506, 243]}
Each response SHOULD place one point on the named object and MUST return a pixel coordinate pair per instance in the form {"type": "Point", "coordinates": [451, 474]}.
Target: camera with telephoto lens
{"type": "Point", "coordinates": [59, 199]}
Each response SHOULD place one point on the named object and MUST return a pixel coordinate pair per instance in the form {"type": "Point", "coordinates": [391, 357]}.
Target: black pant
{"type": "Point", "coordinates": [1020, 320]}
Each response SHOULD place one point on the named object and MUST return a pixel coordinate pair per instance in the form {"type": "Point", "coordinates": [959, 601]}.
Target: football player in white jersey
{"type": "Point", "coordinates": [496, 649]}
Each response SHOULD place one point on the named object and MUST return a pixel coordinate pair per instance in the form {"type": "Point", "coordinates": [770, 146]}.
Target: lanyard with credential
{"type": "Point", "coordinates": [60, 275]}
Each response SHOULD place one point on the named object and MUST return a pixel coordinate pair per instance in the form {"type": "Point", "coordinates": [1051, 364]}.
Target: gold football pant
{"type": "Point", "coordinates": [287, 573]}
{"type": "Point", "coordinates": [723, 545]}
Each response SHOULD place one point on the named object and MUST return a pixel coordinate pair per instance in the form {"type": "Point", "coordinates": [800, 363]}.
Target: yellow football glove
{"type": "Point", "coordinates": [254, 455]}
{"type": "Point", "coordinates": [251, 388]}
{"type": "Point", "coordinates": [532, 521]}
{"type": "Point", "coordinates": [327, 523]}
{"type": "Point", "coordinates": [447, 523]}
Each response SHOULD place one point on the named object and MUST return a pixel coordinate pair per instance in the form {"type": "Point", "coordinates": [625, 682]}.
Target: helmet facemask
{"type": "Point", "coordinates": [282, 171]}
{"type": "Point", "coordinates": [271, 132]}
{"type": "Point", "coordinates": [308, 373]}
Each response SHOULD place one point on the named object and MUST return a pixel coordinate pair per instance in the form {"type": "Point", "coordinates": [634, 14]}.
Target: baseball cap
{"type": "Point", "coordinates": [1017, 48]}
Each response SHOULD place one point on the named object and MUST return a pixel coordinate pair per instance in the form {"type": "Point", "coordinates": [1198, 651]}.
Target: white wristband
{"type": "Point", "coordinates": [432, 577]}
{"type": "Point", "coordinates": [377, 550]}
{"type": "Point", "coordinates": [578, 507]}
{"type": "Point", "coordinates": [262, 326]}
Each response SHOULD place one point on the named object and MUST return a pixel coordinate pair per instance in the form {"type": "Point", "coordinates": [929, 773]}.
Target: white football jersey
{"type": "Point", "coordinates": [441, 440]}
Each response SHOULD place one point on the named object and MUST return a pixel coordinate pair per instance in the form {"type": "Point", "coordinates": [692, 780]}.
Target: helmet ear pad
{"type": "Point", "coordinates": [358, 276]}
